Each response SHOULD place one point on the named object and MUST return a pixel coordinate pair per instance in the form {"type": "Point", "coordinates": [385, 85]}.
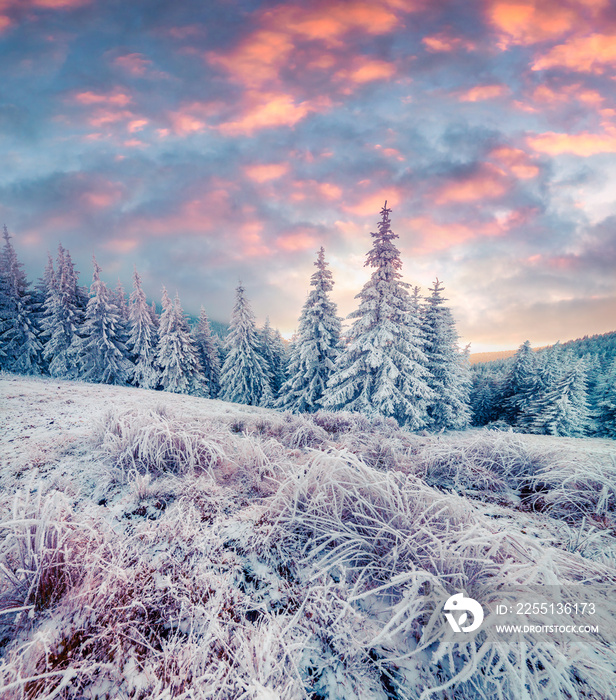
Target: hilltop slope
{"type": "Point", "coordinates": [163, 546]}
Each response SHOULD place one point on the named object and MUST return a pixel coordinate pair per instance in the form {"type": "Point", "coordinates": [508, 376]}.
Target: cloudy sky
{"type": "Point", "coordinates": [210, 141]}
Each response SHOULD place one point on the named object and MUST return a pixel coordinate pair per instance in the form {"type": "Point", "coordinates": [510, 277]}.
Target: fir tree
{"type": "Point", "coordinates": [62, 318]}
{"type": "Point", "coordinates": [244, 373]}
{"type": "Point", "coordinates": [273, 352]}
{"type": "Point", "coordinates": [103, 357]}
{"type": "Point", "coordinates": [142, 339]}
{"type": "Point", "coordinates": [207, 352]}
{"type": "Point", "coordinates": [449, 407]}
{"type": "Point", "coordinates": [180, 371]}
{"type": "Point", "coordinates": [382, 369]}
{"type": "Point", "coordinates": [563, 409]}
{"type": "Point", "coordinates": [20, 348]}
{"type": "Point", "coordinates": [519, 385]}
{"type": "Point", "coordinates": [606, 403]}
{"type": "Point", "coordinates": [119, 298]}
{"type": "Point", "coordinates": [315, 347]}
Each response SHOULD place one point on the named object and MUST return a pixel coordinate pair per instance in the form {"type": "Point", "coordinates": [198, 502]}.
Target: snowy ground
{"type": "Point", "coordinates": [162, 546]}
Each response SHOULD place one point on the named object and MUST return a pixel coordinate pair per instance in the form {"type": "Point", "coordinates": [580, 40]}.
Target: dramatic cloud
{"type": "Point", "coordinates": [205, 145]}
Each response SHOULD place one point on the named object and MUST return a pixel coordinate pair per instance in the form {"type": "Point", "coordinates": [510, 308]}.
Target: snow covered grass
{"type": "Point", "coordinates": [162, 546]}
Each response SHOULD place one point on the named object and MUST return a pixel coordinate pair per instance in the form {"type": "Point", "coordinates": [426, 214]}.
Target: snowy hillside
{"type": "Point", "coordinates": [161, 546]}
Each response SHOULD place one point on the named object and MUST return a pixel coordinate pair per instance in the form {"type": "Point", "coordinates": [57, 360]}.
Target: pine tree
{"type": "Point", "coordinates": [142, 339]}
{"type": "Point", "coordinates": [207, 352]}
{"type": "Point", "coordinates": [273, 352]}
{"type": "Point", "coordinates": [315, 347]}
{"type": "Point", "coordinates": [20, 348]}
{"type": "Point", "coordinates": [519, 385]}
{"type": "Point", "coordinates": [180, 371]}
{"type": "Point", "coordinates": [449, 408]}
{"type": "Point", "coordinates": [244, 373]}
{"type": "Point", "coordinates": [606, 403]}
{"type": "Point", "coordinates": [62, 318]}
{"type": "Point", "coordinates": [382, 369]}
{"type": "Point", "coordinates": [562, 409]}
{"type": "Point", "coordinates": [103, 357]}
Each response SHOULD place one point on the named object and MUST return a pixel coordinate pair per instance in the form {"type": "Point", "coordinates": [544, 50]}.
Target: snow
{"type": "Point", "coordinates": [171, 546]}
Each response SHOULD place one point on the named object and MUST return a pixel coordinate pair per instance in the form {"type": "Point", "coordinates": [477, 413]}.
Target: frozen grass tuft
{"type": "Point", "coordinates": [154, 442]}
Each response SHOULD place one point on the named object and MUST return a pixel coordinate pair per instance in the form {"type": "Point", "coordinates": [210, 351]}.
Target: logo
{"type": "Point", "coordinates": [459, 604]}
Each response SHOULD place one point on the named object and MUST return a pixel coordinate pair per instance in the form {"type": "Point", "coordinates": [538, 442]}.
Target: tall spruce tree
{"type": "Point", "coordinates": [103, 356]}
{"type": "Point", "coordinates": [207, 351]}
{"type": "Point", "coordinates": [273, 352]}
{"type": "Point", "coordinates": [448, 379]}
{"type": "Point", "coordinates": [606, 403]}
{"type": "Point", "coordinates": [519, 385]}
{"type": "Point", "coordinates": [142, 339]}
{"type": "Point", "coordinates": [180, 370]}
{"type": "Point", "coordinates": [382, 369]}
{"type": "Point", "coordinates": [62, 317]}
{"type": "Point", "coordinates": [563, 409]}
{"type": "Point", "coordinates": [20, 348]}
{"type": "Point", "coordinates": [244, 374]}
{"type": "Point", "coordinates": [315, 347]}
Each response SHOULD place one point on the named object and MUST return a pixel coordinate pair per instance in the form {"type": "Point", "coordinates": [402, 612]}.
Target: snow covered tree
{"type": "Point", "coordinates": [207, 351]}
{"type": "Point", "coordinates": [315, 347]}
{"type": "Point", "coordinates": [382, 369]}
{"type": "Point", "coordinates": [119, 297]}
{"type": "Point", "coordinates": [20, 348]}
{"type": "Point", "coordinates": [103, 357]}
{"type": "Point", "coordinates": [563, 409]}
{"type": "Point", "coordinates": [519, 385]}
{"type": "Point", "coordinates": [449, 407]}
{"type": "Point", "coordinates": [62, 318]}
{"type": "Point", "coordinates": [142, 339]}
{"type": "Point", "coordinates": [550, 369]}
{"type": "Point", "coordinates": [180, 370]}
{"type": "Point", "coordinates": [606, 403]}
{"type": "Point", "coordinates": [244, 373]}
{"type": "Point", "coordinates": [273, 352]}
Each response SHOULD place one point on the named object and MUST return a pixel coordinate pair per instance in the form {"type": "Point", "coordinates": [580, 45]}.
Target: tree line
{"type": "Point", "coordinates": [567, 390]}
{"type": "Point", "coordinates": [399, 358]}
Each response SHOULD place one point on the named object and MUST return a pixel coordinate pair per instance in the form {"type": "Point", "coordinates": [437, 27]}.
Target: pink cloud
{"type": "Point", "coordinates": [517, 161]}
{"type": "Point", "coordinates": [249, 234]}
{"type": "Point", "coordinates": [5, 23]}
{"type": "Point", "coordinates": [101, 117]}
{"type": "Point", "coordinates": [296, 240]}
{"type": "Point", "coordinates": [268, 110]}
{"type": "Point", "coordinates": [314, 191]}
{"type": "Point", "coordinates": [117, 98]}
{"type": "Point", "coordinates": [583, 144]}
{"type": "Point", "coordinates": [137, 125]}
{"type": "Point", "coordinates": [257, 60]}
{"type": "Point", "coordinates": [435, 235]}
{"type": "Point", "coordinates": [588, 54]}
{"type": "Point", "coordinates": [364, 70]}
{"type": "Point", "coordinates": [102, 194]}
{"type": "Point", "coordinates": [133, 63]}
{"type": "Point", "coordinates": [483, 92]}
{"type": "Point", "coordinates": [489, 182]}
{"type": "Point", "coordinates": [330, 21]}
{"type": "Point", "coordinates": [121, 245]}
{"type": "Point", "coordinates": [443, 42]}
{"type": "Point", "coordinates": [264, 172]}
{"type": "Point", "coordinates": [526, 22]}
{"type": "Point", "coordinates": [371, 204]}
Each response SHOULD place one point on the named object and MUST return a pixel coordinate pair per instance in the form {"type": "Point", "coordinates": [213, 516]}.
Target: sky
{"type": "Point", "coordinates": [208, 142]}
